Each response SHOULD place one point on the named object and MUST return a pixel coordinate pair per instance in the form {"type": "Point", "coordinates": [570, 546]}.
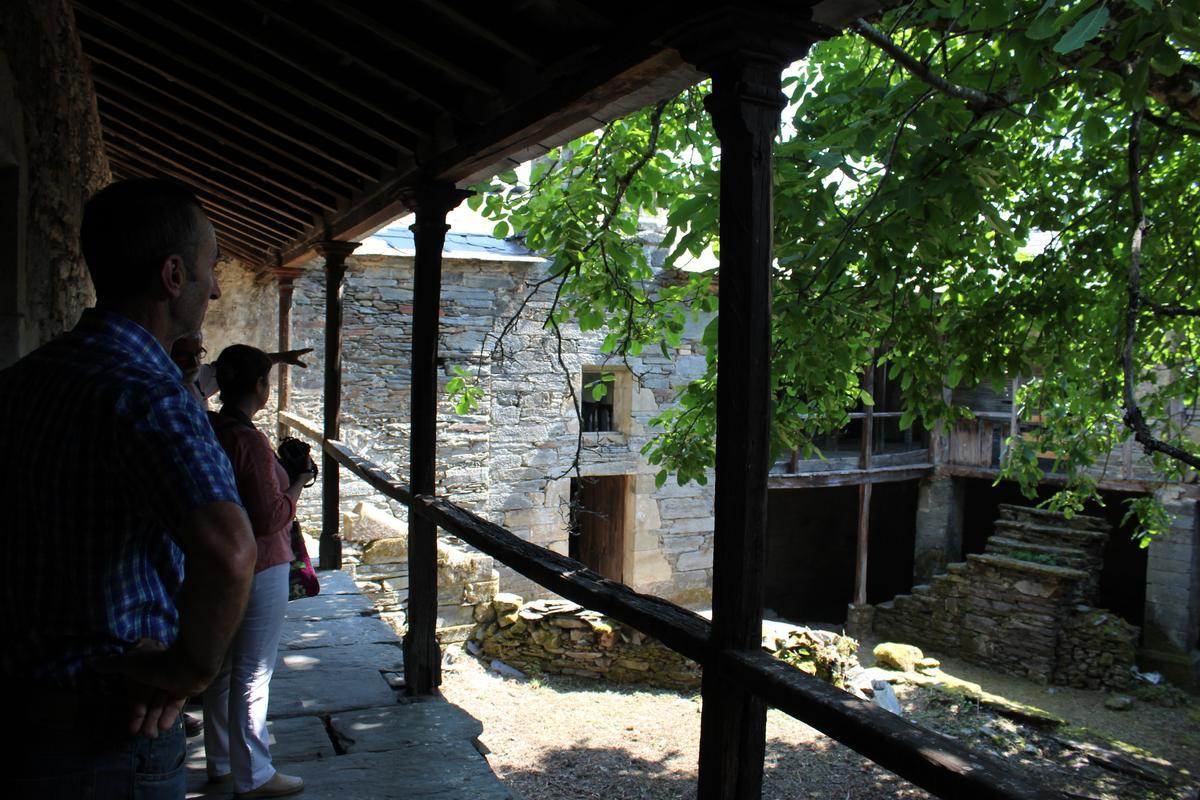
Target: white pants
{"type": "Point", "coordinates": [235, 705]}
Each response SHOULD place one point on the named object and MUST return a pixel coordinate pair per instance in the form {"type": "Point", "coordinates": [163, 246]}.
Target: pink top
{"type": "Point", "coordinates": [262, 483]}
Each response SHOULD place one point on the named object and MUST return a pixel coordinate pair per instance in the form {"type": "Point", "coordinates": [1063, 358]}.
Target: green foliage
{"type": "Point", "coordinates": [464, 391]}
{"type": "Point", "coordinates": [905, 206]}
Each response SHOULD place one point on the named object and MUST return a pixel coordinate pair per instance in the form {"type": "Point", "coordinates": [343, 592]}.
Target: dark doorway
{"type": "Point", "coordinates": [811, 549]}
{"type": "Point", "coordinates": [598, 524]}
{"type": "Point", "coordinates": [1123, 581]}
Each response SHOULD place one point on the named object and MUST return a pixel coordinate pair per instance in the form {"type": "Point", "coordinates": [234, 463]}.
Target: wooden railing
{"type": "Point", "coordinates": [926, 758]}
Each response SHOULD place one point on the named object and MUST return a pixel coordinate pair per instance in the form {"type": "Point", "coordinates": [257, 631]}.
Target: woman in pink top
{"type": "Point", "coordinates": [235, 705]}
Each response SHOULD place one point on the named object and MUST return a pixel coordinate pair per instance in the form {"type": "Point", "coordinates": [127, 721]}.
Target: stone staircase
{"type": "Point", "coordinates": [1024, 605]}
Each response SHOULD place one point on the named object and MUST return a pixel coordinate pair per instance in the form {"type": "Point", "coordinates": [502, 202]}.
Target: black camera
{"type": "Point", "coordinates": [296, 458]}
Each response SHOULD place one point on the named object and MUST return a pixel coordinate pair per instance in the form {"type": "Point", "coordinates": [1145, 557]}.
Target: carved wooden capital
{"type": "Point", "coordinates": [335, 252]}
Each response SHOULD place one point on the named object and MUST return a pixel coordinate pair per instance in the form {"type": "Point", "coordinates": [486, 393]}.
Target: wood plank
{"type": "Point", "coordinates": [302, 425]}
{"type": "Point", "coordinates": [926, 758]}
{"type": "Point", "coordinates": [253, 100]}
{"type": "Point", "coordinates": [350, 91]}
{"type": "Point", "coordinates": [850, 477]}
{"type": "Point", "coordinates": [222, 123]}
{"type": "Point", "coordinates": [215, 51]}
{"type": "Point", "coordinates": [1108, 484]}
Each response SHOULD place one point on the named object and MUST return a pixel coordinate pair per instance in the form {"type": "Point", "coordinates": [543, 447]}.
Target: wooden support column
{"type": "Point", "coordinates": [865, 451]}
{"type": "Point", "coordinates": [335, 254]}
{"type": "Point", "coordinates": [422, 660]}
{"type": "Point", "coordinates": [286, 278]}
{"type": "Point", "coordinates": [745, 54]}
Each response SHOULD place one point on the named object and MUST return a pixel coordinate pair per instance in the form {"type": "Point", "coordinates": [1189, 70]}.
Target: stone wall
{"type": "Point", "coordinates": [563, 638]}
{"type": "Point", "coordinates": [509, 459]}
{"type": "Point", "coordinates": [375, 553]}
{"type": "Point", "coordinates": [51, 161]}
{"type": "Point", "coordinates": [1018, 610]}
{"type": "Point", "coordinates": [246, 313]}
{"type": "Point", "coordinates": [1172, 601]}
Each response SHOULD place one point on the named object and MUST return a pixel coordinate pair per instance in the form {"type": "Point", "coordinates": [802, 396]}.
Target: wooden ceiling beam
{"type": "Point", "coordinates": [263, 45]}
{"type": "Point", "coordinates": [269, 225]}
{"type": "Point", "coordinates": [248, 67]}
{"type": "Point", "coordinates": [253, 99]}
{"type": "Point", "coordinates": [105, 97]}
{"type": "Point", "coordinates": [148, 141]}
{"type": "Point", "coordinates": [482, 31]}
{"type": "Point", "coordinates": [343, 185]}
{"type": "Point", "coordinates": [413, 49]}
{"type": "Point", "coordinates": [194, 177]}
{"type": "Point", "coordinates": [225, 224]}
{"type": "Point", "coordinates": [349, 57]}
{"type": "Point", "coordinates": [245, 116]}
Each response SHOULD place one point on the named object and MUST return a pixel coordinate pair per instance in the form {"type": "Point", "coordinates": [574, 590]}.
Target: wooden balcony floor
{"type": "Point", "coordinates": [336, 721]}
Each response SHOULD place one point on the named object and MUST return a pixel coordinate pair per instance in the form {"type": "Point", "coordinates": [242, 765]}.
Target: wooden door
{"type": "Point", "coordinates": [598, 524]}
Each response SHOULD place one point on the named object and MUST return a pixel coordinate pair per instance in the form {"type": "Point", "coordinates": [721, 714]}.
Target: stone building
{"type": "Point", "coordinates": [511, 458]}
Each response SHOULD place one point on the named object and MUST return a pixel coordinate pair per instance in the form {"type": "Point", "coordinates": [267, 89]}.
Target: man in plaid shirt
{"type": "Point", "coordinates": [111, 477]}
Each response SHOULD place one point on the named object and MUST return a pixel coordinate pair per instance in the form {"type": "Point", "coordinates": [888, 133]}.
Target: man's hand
{"type": "Point", "coordinates": [155, 686]}
{"type": "Point", "coordinates": [290, 357]}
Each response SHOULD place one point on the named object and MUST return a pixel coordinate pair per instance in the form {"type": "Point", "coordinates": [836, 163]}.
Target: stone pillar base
{"type": "Point", "coordinates": [859, 621]}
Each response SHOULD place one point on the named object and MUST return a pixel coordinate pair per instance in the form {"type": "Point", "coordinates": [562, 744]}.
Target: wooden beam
{"type": "Point", "coordinates": [307, 427]}
{"type": "Point", "coordinates": [300, 187]}
{"type": "Point", "coordinates": [348, 56]}
{"type": "Point", "coordinates": [222, 216]}
{"type": "Point", "coordinates": [1051, 479]}
{"type": "Point", "coordinates": [411, 48]}
{"type": "Point", "coordinates": [865, 451]}
{"type": "Point", "coordinates": [482, 31]}
{"type": "Point", "coordinates": [223, 122]}
{"type": "Point", "coordinates": [213, 49]}
{"type": "Point", "coordinates": [335, 254]}
{"type": "Point", "coordinates": [254, 100]}
{"type": "Point", "coordinates": [147, 145]}
{"type": "Point", "coordinates": [745, 103]}
{"type": "Point", "coordinates": [422, 658]}
{"type": "Point", "coordinates": [850, 477]}
{"type": "Point", "coordinates": [928, 759]}
{"type": "Point", "coordinates": [261, 44]}
{"type": "Point", "coordinates": [286, 280]}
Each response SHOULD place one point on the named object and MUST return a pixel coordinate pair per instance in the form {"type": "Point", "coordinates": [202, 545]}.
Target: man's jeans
{"type": "Point", "coordinates": [87, 765]}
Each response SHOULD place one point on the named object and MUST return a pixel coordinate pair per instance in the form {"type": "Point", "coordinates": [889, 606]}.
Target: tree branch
{"type": "Point", "coordinates": [978, 101]}
{"type": "Point", "coordinates": [1134, 419]}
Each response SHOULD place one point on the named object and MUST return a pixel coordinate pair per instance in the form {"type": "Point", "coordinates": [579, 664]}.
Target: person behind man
{"type": "Point", "coordinates": [200, 378]}
{"type": "Point", "coordinates": [111, 478]}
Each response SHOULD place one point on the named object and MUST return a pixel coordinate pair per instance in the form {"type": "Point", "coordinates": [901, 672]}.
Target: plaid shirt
{"type": "Point", "coordinates": [103, 453]}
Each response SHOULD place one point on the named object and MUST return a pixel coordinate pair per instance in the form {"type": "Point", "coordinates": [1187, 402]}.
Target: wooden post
{"type": "Point", "coordinates": [286, 279]}
{"type": "Point", "coordinates": [745, 103]}
{"type": "Point", "coordinates": [335, 254]}
{"type": "Point", "coordinates": [865, 451]}
{"type": "Point", "coordinates": [422, 661]}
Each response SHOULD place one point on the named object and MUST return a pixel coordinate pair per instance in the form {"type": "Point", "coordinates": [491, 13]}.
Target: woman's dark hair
{"type": "Point", "coordinates": [238, 369]}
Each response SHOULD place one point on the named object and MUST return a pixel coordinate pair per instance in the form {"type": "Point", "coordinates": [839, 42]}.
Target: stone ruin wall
{"type": "Point", "coordinates": [55, 145]}
{"type": "Point", "coordinates": [1025, 617]}
{"type": "Point", "coordinates": [497, 460]}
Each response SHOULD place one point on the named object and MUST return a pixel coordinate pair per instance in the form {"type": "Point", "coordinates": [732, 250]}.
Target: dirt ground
{"type": "Point", "coordinates": [552, 737]}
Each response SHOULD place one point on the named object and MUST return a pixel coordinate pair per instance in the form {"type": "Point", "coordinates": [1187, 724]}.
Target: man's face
{"type": "Point", "coordinates": [188, 354]}
{"type": "Point", "coordinates": [201, 285]}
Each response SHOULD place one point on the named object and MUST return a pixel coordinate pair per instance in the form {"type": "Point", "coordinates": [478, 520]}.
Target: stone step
{"type": "Point", "coordinates": [1031, 567]}
{"type": "Point", "coordinates": [1003, 545]}
{"type": "Point", "coordinates": [1049, 534]}
{"type": "Point", "coordinates": [1042, 516]}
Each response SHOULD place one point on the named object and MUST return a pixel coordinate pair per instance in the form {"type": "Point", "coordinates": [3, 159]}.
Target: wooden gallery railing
{"type": "Point", "coordinates": [926, 758]}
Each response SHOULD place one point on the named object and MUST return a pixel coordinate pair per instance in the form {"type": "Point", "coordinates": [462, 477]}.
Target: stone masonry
{"type": "Point", "coordinates": [1023, 606]}
{"type": "Point", "coordinates": [375, 553]}
{"type": "Point", "coordinates": [510, 459]}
